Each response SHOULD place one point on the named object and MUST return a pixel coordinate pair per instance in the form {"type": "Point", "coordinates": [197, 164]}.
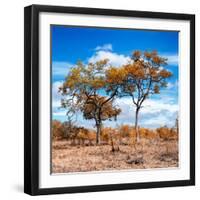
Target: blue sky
{"type": "Point", "coordinates": [70, 44]}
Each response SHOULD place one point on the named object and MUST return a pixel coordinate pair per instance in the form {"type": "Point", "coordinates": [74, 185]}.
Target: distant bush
{"type": "Point", "coordinates": [57, 130]}
{"type": "Point", "coordinates": [67, 131]}
{"type": "Point", "coordinates": [167, 133]}
{"type": "Point", "coordinates": [147, 133]}
{"type": "Point", "coordinates": [125, 131]}
{"type": "Point", "coordinates": [112, 137]}
{"type": "Point", "coordinates": [105, 137]}
{"type": "Point", "coordinates": [123, 135]}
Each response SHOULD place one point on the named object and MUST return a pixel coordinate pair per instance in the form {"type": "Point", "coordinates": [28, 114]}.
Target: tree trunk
{"type": "Point", "coordinates": [137, 137]}
{"type": "Point", "coordinates": [98, 133]}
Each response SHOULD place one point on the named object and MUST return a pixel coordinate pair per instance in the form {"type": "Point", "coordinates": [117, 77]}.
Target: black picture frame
{"type": "Point", "coordinates": [31, 99]}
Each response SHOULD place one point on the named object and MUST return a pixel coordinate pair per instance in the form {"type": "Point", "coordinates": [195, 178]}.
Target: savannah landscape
{"type": "Point", "coordinates": [156, 149]}
{"type": "Point", "coordinates": [90, 90]}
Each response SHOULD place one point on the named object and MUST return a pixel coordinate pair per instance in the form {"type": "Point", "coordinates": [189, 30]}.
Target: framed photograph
{"type": "Point", "coordinates": [109, 100]}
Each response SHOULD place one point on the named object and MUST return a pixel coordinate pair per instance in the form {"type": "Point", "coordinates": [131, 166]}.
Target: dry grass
{"type": "Point", "coordinates": [150, 153]}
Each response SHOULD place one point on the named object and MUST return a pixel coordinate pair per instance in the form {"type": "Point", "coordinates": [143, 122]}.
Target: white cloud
{"type": "Point", "coordinates": [154, 106]}
{"type": "Point", "coordinates": [57, 110]}
{"type": "Point", "coordinates": [171, 59]}
{"type": "Point", "coordinates": [103, 52]}
{"type": "Point", "coordinates": [61, 68]}
{"type": "Point", "coordinates": [105, 47]}
{"type": "Point", "coordinates": [154, 113]}
{"type": "Point", "coordinates": [55, 90]}
{"type": "Point", "coordinates": [171, 85]}
{"type": "Point", "coordinates": [114, 58]}
{"type": "Point", "coordinates": [59, 113]}
{"type": "Point", "coordinates": [56, 96]}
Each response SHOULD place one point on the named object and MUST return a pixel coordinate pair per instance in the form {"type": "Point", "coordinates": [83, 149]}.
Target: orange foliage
{"type": "Point", "coordinates": [167, 133]}
{"type": "Point", "coordinates": [135, 69]}
{"type": "Point", "coordinates": [107, 111]}
{"type": "Point", "coordinates": [115, 75]}
{"type": "Point", "coordinates": [147, 133]}
{"type": "Point", "coordinates": [123, 135]}
{"type": "Point", "coordinates": [57, 130]}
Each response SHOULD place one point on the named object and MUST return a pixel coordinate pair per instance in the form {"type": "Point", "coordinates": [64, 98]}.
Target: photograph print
{"type": "Point", "coordinates": [114, 99]}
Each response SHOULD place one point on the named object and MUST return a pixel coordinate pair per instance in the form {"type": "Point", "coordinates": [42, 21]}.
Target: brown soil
{"type": "Point", "coordinates": [147, 154]}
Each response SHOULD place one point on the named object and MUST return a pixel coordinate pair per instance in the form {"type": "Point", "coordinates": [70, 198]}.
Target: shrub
{"type": "Point", "coordinates": [147, 133]}
{"type": "Point", "coordinates": [57, 130]}
{"type": "Point", "coordinates": [167, 133]}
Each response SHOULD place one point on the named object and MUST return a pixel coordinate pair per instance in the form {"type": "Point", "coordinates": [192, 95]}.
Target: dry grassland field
{"type": "Point", "coordinates": [85, 156]}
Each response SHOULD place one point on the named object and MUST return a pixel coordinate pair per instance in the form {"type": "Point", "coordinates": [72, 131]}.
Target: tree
{"type": "Point", "coordinates": [143, 76]}
{"type": "Point", "coordinates": [98, 109]}
{"type": "Point", "coordinates": [83, 88]}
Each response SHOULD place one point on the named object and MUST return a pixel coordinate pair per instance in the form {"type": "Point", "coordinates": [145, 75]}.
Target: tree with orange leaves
{"type": "Point", "coordinates": [99, 109]}
{"type": "Point", "coordinates": [83, 88]}
{"type": "Point", "coordinates": [143, 76]}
